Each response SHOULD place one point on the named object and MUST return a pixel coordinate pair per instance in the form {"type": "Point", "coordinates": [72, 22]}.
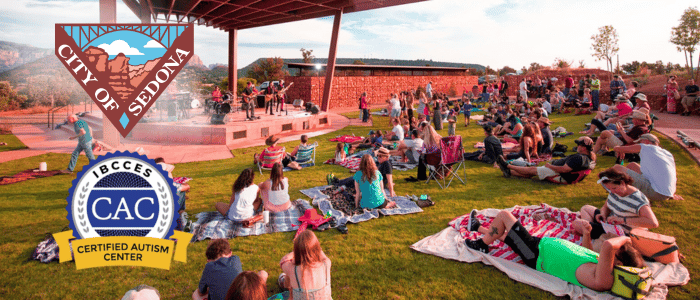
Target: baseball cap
{"type": "Point", "coordinates": [649, 137]}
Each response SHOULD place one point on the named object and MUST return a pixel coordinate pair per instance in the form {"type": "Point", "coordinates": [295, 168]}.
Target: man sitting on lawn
{"type": "Point", "coordinates": [561, 170]}
{"type": "Point", "coordinates": [655, 174]}
{"type": "Point", "coordinates": [397, 133]}
{"type": "Point", "coordinates": [608, 139]}
{"type": "Point", "coordinates": [409, 149]}
{"type": "Point", "coordinates": [557, 257]}
{"type": "Point", "coordinates": [492, 148]}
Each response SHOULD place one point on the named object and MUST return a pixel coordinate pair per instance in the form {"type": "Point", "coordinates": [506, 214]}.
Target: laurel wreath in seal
{"type": "Point", "coordinates": [81, 223]}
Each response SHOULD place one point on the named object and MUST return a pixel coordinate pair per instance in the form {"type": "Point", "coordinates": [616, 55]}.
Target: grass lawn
{"type": "Point", "coordinates": [13, 143]}
{"type": "Point", "coordinates": [373, 261]}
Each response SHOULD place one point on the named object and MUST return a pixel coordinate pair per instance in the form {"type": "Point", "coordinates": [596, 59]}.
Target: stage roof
{"type": "Point", "coordinates": [243, 14]}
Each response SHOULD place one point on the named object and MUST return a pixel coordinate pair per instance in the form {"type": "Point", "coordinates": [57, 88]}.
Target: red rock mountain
{"type": "Point", "coordinates": [123, 78]}
{"type": "Point", "coordinates": [197, 62]}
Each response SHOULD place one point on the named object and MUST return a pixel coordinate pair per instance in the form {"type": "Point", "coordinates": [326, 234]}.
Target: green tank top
{"type": "Point", "coordinates": [561, 258]}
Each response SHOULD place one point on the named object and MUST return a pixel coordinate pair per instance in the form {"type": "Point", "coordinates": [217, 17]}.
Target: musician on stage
{"type": "Point", "coordinates": [216, 95]}
{"type": "Point", "coordinates": [280, 97]}
{"type": "Point", "coordinates": [248, 97]}
{"type": "Point", "coordinates": [271, 94]}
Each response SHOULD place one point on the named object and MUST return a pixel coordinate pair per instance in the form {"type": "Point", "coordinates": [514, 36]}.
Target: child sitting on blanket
{"type": "Point", "coordinates": [275, 191]}
{"type": "Point", "coordinates": [220, 271]}
{"type": "Point", "coordinates": [557, 257]}
{"type": "Point", "coordinates": [340, 152]}
{"type": "Point", "coordinates": [306, 272]}
{"type": "Point", "coordinates": [244, 199]}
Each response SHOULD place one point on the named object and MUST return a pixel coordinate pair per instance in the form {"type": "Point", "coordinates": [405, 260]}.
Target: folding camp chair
{"type": "Point", "coordinates": [268, 159]}
{"type": "Point", "coordinates": [306, 154]}
{"type": "Point", "coordinates": [451, 159]}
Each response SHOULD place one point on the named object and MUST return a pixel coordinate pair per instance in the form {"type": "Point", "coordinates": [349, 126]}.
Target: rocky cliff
{"type": "Point", "coordinates": [123, 78]}
{"type": "Point", "coordinates": [13, 55]}
{"type": "Point", "coordinates": [197, 62]}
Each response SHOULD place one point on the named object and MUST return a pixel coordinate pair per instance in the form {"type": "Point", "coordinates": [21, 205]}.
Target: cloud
{"type": "Point", "coordinates": [120, 46]}
{"type": "Point", "coordinates": [153, 44]}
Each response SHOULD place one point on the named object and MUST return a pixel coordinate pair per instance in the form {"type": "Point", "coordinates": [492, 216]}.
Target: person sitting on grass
{"type": "Point", "coordinates": [142, 292]}
{"type": "Point", "coordinates": [306, 272]}
{"type": "Point", "coordinates": [397, 132]}
{"type": "Point", "coordinates": [431, 144]}
{"type": "Point", "coordinates": [248, 286]}
{"type": "Point", "coordinates": [492, 148]}
{"type": "Point", "coordinates": [182, 189]}
{"type": "Point", "coordinates": [275, 191]}
{"type": "Point", "coordinates": [303, 145]}
{"type": "Point", "coordinates": [623, 110]}
{"type": "Point", "coordinates": [221, 269]}
{"type": "Point", "coordinates": [369, 186]}
{"type": "Point", "coordinates": [409, 149]}
{"type": "Point", "coordinates": [557, 257]}
{"type": "Point", "coordinates": [374, 139]}
{"type": "Point", "coordinates": [609, 140]}
{"type": "Point", "coordinates": [560, 170]}
{"type": "Point", "coordinates": [385, 168]}
{"type": "Point", "coordinates": [244, 199]}
{"type": "Point", "coordinates": [527, 146]}
{"type": "Point", "coordinates": [512, 127]}
{"type": "Point", "coordinates": [625, 206]}
{"type": "Point", "coordinates": [339, 152]}
{"type": "Point", "coordinates": [547, 138]}
{"type": "Point", "coordinates": [655, 174]}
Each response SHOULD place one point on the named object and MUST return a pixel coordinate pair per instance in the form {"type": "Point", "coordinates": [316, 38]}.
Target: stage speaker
{"type": "Point", "coordinates": [315, 109]}
{"type": "Point", "coordinates": [218, 118]}
{"type": "Point", "coordinates": [308, 106]}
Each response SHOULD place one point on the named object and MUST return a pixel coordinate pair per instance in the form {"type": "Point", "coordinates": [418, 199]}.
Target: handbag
{"type": "Point", "coordinates": [631, 283]}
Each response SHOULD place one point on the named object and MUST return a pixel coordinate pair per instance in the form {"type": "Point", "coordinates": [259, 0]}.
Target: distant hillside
{"type": "Point", "coordinates": [371, 61]}
{"type": "Point", "coordinates": [13, 55]}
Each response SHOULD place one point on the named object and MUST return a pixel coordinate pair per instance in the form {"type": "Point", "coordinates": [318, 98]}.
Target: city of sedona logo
{"type": "Point", "coordinates": [124, 67]}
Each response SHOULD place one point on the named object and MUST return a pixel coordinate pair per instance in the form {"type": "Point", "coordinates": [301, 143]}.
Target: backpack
{"type": "Point", "coordinates": [560, 148]}
{"type": "Point", "coordinates": [631, 283]}
{"type": "Point", "coordinates": [654, 246]}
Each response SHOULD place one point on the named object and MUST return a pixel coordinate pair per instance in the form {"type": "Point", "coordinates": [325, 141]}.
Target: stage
{"type": "Point", "coordinates": [197, 129]}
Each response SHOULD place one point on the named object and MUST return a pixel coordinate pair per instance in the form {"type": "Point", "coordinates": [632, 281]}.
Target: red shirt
{"type": "Point", "coordinates": [363, 102]}
{"type": "Point", "coordinates": [568, 82]}
{"type": "Point", "coordinates": [216, 96]}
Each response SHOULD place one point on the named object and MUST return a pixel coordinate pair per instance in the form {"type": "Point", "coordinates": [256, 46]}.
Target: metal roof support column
{"type": "Point", "coordinates": [330, 66]}
{"type": "Point", "coordinates": [108, 14]}
{"type": "Point", "coordinates": [145, 15]}
{"type": "Point", "coordinates": [233, 62]}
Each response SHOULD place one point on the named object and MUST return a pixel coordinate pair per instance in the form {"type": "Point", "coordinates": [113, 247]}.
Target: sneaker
{"type": "Point", "coordinates": [473, 223]}
{"type": "Point", "coordinates": [503, 165]}
{"type": "Point", "coordinates": [329, 179]}
{"type": "Point", "coordinates": [477, 245]}
{"type": "Point", "coordinates": [280, 280]}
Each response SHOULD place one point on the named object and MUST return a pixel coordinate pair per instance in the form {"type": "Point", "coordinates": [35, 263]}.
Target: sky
{"type": "Point", "coordinates": [493, 33]}
{"type": "Point", "coordinates": [137, 47]}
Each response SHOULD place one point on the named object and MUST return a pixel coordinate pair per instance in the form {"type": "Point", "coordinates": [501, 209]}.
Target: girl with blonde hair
{"type": "Point", "coordinates": [306, 270]}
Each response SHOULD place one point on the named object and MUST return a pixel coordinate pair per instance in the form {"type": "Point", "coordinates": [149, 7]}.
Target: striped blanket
{"type": "Point", "coordinates": [346, 138]}
{"type": "Point", "coordinates": [27, 175]}
{"type": "Point", "coordinates": [557, 225]}
{"type": "Point", "coordinates": [213, 225]}
{"type": "Point", "coordinates": [352, 163]}
{"type": "Point", "coordinates": [403, 207]}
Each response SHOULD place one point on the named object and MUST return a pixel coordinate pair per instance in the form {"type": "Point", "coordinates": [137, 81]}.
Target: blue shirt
{"type": "Point", "coordinates": [218, 276]}
{"type": "Point", "coordinates": [372, 194]}
{"type": "Point", "coordinates": [467, 109]}
{"type": "Point", "coordinates": [87, 137]}
{"type": "Point", "coordinates": [377, 141]}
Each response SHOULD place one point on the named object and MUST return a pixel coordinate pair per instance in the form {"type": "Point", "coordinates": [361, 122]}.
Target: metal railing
{"type": "Point", "coordinates": [51, 116]}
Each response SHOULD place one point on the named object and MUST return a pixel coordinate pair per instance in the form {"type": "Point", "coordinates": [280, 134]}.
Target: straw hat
{"type": "Point", "coordinates": [641, 97]}
{"type": "Point", "coordinates": [271, 140]}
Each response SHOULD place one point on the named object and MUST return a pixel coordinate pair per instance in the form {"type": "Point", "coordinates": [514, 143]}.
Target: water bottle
{"type": "Point", "coordinates": [339, 190]}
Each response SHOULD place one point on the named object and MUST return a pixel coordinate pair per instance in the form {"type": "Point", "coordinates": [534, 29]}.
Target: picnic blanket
{"type": "Point", "coordinates": [449, 244]}
{"type": "Point", "coordinates": [346, 138]}
{"type": "Point", "coordinates": [352, 163]}
{"type": "Point", "coordinates": [399, 165]}
{"type": "Point", "coordinates": [214, 225]}
{"type": "Point", "coordinates": [26, 175]}
{"type": "Point", "coordinates": [480, 145]}
{"type": "Point", "coordinates": [403, 207]}
{"type": "Point", "coordinates": [181, 180]}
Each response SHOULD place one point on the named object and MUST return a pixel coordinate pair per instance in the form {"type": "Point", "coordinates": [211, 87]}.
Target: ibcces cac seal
{"type": "Point", "coordinates": [122, 209]}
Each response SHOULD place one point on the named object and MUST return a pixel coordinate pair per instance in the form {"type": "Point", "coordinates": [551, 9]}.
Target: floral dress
{"type": "Point", "coordinates": [671, 90]}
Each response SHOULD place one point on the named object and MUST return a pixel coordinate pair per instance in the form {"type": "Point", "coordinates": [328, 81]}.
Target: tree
{"type": "Point", "coordinates": [268, 69]}
{"type": "Point", "coordinates": [605, 45]}
{"type": "Point", "coordinates": [631, 68]}
{"type": "Point", "coordinates": [581, 64]}
{"type": "Point", "coordinates": [686, 36]}
{"type": "Point", "coordinates": [562, 63]}
{"type": "Point", "coordinates": [489, 71]}
{"type": "Point", "coordinates": [535, 66]}
{"type": "Point", "coordinates": [358, 62]}
{"type": "Point", "coordinates": [9, 99]}
{"type": "Point", "coordinates": [505, 70]}
{"type": "Point", "coordinates": [307, 55]}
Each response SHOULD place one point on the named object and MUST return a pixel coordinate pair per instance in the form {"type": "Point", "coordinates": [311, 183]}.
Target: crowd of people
{"type": "Point", "coordinates": [515, 129]}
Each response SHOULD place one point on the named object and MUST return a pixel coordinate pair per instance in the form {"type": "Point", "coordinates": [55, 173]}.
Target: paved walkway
{"type": "Point", "coordinates": [41, 140]}
{"type": "Point", "coordinates": [669, 125]}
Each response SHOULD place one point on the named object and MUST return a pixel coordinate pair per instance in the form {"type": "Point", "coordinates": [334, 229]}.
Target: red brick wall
{"type": "Point", "coordinates": [347, 89]}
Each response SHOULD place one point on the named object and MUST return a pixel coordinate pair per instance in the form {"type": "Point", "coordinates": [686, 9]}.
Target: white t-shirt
{"type": "Point", "coordinates": [395, 104]}
{"type": "Point", "coordinates": [523, 86]}
{"type": "Point", "coordinates": [242, 207]}
{"type": "Point", "coordinates": [415, 144]}
{"type": "Point", "coordinates": [547, 106]}
{"type": "Point", "coordinates": [603, 107]}
{"type": "Point", "coordinates": [659, 167]}
{"type": "Point", "coordinates": [279, 197]}
{"type": "Point", "coordinates": [398, 131]}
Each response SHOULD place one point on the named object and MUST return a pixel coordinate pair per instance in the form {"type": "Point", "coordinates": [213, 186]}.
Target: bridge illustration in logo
{"type": "Point", "coordinates": [85, 34]}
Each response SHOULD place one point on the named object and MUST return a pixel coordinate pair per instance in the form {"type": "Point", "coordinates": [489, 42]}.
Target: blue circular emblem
{"type": "Point", "coordinates": [122, 194]}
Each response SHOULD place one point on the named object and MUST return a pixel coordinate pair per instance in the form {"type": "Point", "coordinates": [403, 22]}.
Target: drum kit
{"type": "Point", "coordinates": [223, 107]}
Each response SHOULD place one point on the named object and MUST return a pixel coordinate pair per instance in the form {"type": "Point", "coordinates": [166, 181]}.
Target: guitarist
{"type": "Point", "coordinates": [249, 94]}
{"type": "Point", "coordinates": [270, 94]}
{"type": "Point", "coordinates": [280, 96]}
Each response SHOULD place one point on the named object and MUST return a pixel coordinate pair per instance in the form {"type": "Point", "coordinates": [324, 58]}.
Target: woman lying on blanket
{"type": "Point", "coordinates": [557, 257]}
{"type": "Point", "coordinates": [244, 202]}
{"type": "Point", "coordinates": [275, 191]}
{"type": "Point", "coordinates": [625, 206]}
{"type": "Point", "coordinates": [369, 186]}
{"type": "Point", "coordinates": [306, 272]}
